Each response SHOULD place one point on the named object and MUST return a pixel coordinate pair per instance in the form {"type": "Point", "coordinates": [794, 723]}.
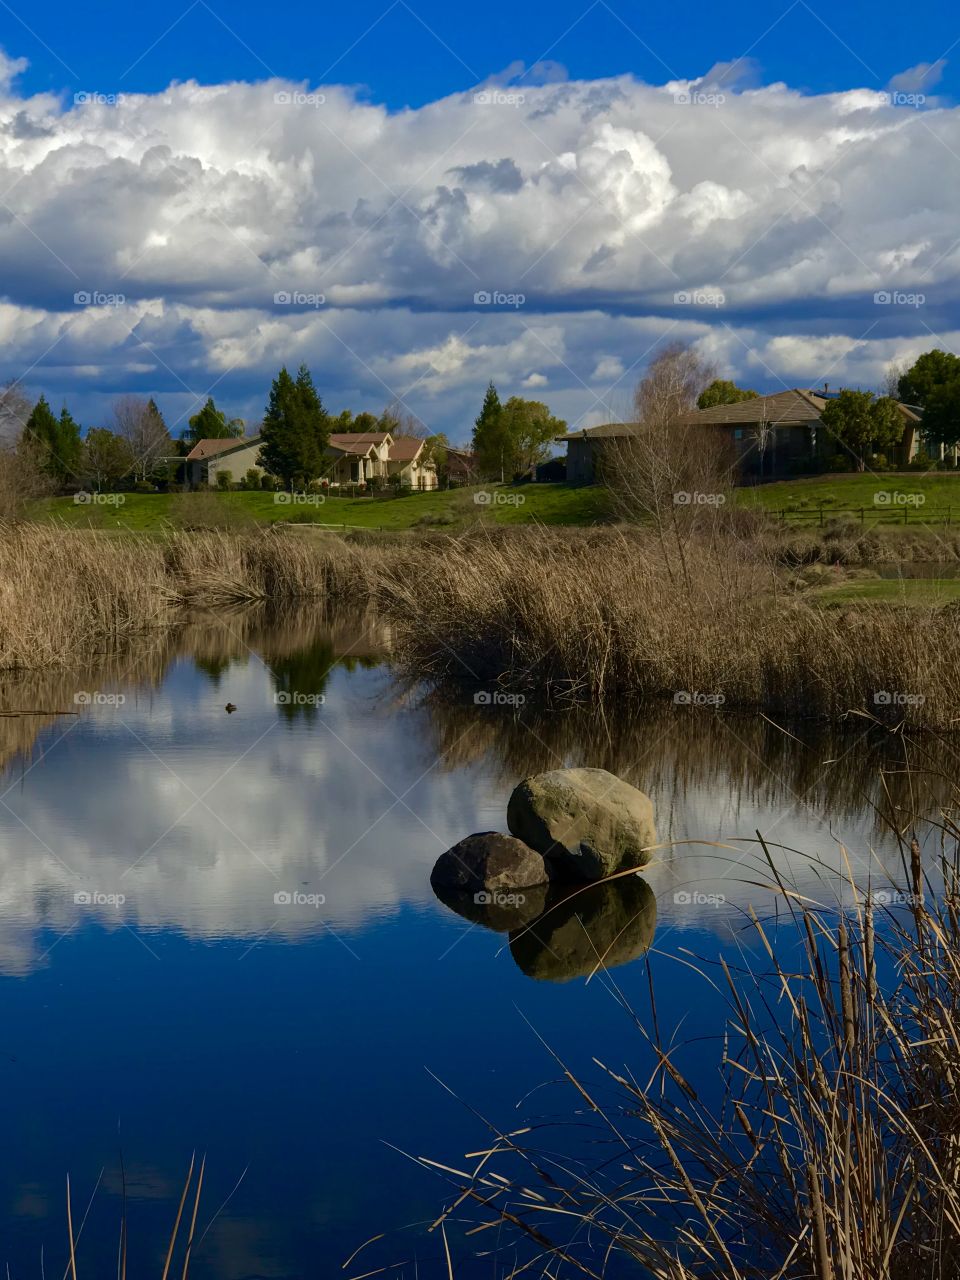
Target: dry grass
{"type": "Point", "coordinates": [833, 1152]}
{"type": "Point", "coordinates": [610, 616]}
{"type": "Point", "coordinates": [66, 594]}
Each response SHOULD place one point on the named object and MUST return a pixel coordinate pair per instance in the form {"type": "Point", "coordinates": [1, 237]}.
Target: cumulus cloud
{"type": "Point", "coordinates": [918, 79]}
{"type": "Point", "coordinates": [565, 228]}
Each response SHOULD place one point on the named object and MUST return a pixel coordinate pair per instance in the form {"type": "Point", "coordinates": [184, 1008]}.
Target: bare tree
{"type": "Point", "coordinates": [140, 423]}
{"type": "Point", "coordinates": [666, 470]}
{"type": "Point", "coordinates": [671, 385]}
{"type": "Point", "coordinates": [890, 386]}
{"type": "Point", "coordinates": [399, 421]}
{"type": "Point", "coordinates": [15, 409]}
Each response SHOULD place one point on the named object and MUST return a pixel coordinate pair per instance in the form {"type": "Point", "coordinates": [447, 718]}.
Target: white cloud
{"type": "Point", "coordinates": [535, 380]}
{"type": "Point", "coordinates": [925, 75]}
{"type": "Point", "coordinates": [595, 202]}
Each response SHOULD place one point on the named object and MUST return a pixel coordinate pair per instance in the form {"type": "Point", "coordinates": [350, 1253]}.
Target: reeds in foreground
{"type": "Point", "coordinates": [834, 1151]}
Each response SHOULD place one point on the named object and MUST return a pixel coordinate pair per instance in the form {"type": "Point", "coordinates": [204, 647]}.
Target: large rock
{"type": "Point", "coordinates": [489, 861]}
{"type": "Point", "coordinates": [587, 823]}
{"type": "Point", "coordinates": [601, 925]}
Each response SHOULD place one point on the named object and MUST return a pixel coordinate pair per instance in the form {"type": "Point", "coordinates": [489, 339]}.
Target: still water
{"type": "Point", "coordinates": [217, 934]}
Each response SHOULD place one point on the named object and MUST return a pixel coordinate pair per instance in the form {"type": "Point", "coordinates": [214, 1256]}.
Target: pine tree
{"type": "Point", "coordinates": [488, 444]}
{"type": "Point", "coordinates": [54, 443]}
{"type": "Point", "coordinates": [295, 429]}
{"type": "Point", "coordinates": [210, 423]}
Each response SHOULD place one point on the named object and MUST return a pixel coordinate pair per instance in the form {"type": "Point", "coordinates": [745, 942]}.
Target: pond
{"type": "Point", "coordinates": [217, 934]}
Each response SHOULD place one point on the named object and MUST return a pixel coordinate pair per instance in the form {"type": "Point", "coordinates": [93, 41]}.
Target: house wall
{"type": "Point", "coordinates": [580, 467]}
{"type": "Point", "coordinates": [236, 464]}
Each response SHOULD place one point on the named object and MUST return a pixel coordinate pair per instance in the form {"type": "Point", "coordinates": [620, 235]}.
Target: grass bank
{"type": "Point", "coordinates": [563, 615]}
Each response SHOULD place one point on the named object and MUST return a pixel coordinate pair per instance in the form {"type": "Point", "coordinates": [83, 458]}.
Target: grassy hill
{"type": "Point", "coordinates": [554, 504]}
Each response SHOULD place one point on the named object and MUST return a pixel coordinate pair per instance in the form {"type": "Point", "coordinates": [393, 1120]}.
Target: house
{"type": "Point", "coordinates": [408, 459]}
{"type": "Point", "coordinates": [350, 459]}
{"type": "Point", "coordinates": [780, 435]}
{"type": "Point", "coordinates": [207, 458]}
{"type": "Point", "coordinates": [773, 436]}
{"type": "Point", "coordinates": [461, 467]}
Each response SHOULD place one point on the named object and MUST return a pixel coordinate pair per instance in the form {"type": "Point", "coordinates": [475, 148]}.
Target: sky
{"type": "Point", "coordinates": [415, 198]}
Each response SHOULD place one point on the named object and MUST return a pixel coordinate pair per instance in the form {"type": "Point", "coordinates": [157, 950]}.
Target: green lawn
{"type": "Point", "coordinates": [912, 592]}
{"type": "Point", "coordinates": [456, 508]}
{"type": "Point", "coordinates": [904, 497]}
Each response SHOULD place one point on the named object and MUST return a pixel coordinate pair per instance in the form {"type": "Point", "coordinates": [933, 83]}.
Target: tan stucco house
{"type": "Point", "coordinates": [350, 459]}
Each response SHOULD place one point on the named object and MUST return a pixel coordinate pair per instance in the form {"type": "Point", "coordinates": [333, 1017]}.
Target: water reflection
{"type": "Point", "coordinates": [556, 935]}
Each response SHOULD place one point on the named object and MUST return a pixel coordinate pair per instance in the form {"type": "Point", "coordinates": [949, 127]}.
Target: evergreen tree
{"type": "Point", "coordinates": [862, 424]}
{"type": "Point", "coordinates": [54, 442]}
{"type": "Point", "coordinates": [210, 423]}
{"type": "Point", "coordinates": [295, 429]}
{"type": "Point", "coordinates": [489, 446]}
{"type": "Point", "coordinates": [933, 383]}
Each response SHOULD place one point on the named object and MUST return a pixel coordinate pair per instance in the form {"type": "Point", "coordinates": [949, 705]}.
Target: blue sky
{"type": "Point", "coordinates": [414, 199]}
{"type": "Point", "coordinates": [409, 54]}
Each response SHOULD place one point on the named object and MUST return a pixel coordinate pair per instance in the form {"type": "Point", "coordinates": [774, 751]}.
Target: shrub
{"type": "Point", "coordinates": [251, 479]}
{"type": "Point", "coordinates": [223, 480]}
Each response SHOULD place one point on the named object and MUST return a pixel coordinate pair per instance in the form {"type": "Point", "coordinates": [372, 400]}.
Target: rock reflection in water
{"type": "Point", "coordinates": [556, 935]}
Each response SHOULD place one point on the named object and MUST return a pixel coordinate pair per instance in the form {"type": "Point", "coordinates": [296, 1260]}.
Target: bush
{"type": "Point", "coordinates": [144, 486]}
{"type": "Point", "coordinates": [268, 482]}
{"type": "Point", "coordinates": [223, 481]}
{"type": "Point", "coordinates": [251, 479]}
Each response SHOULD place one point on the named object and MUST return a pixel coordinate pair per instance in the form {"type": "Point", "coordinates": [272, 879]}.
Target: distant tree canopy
{"type": "Point", "coordinates": [509, 439]}
{"type": "Point", "coordinates": [723, 391]}
{"type": "Point", "coordinates": [140, 423]}
{"type": "Point", "coordinates": [295, 430]}
{"type": "Point", "coordinates": [346, 422]}
{"type": "Point", "coordinates": [55, 443]}
{"type": "Point", "coordinates": [933, 383]}
{"type": "Point", "coordinates": [862, 424]}
{"type": "Point", "coordinates": [209, 423]}
{"type": "Point", "coordinates": [107, 458]}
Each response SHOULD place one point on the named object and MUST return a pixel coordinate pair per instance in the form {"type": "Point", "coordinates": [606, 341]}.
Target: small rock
{"type": "Point", "coordinates": [489, 860]}
{"type": "Point", "coordinates": [587, 823]}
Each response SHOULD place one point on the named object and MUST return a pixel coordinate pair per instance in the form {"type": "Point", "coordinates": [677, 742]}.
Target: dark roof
{"type": "Point", "coordinates": [785, 408]}
{"type": "Point", "coordinates": [606, 430]}
{"type": "Point", "coordinates": [209, 448]}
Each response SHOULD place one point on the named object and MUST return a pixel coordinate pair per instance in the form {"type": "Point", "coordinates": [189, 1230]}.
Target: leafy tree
{"type": "Point", "coordinates": [863, 424]}
{"type": "Point", "coordinates": [295, 429]}
{"type": "Point", "coordinates": [107, 458]}
{"type": "Point", "coordinates": [723, 391]}
{"type": "Point", "coordinates": [527, 428]}
{"type": "Point", "coordinates": [54, 441]}
{"type": "Point", "coordinates": [489, 445]}
{"type": "Point", "coordinates": [210, 423]}
{"type": "Point", "coordinates": [346, 423]}
{"type": "Point", "coordinates": [933, 383]}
